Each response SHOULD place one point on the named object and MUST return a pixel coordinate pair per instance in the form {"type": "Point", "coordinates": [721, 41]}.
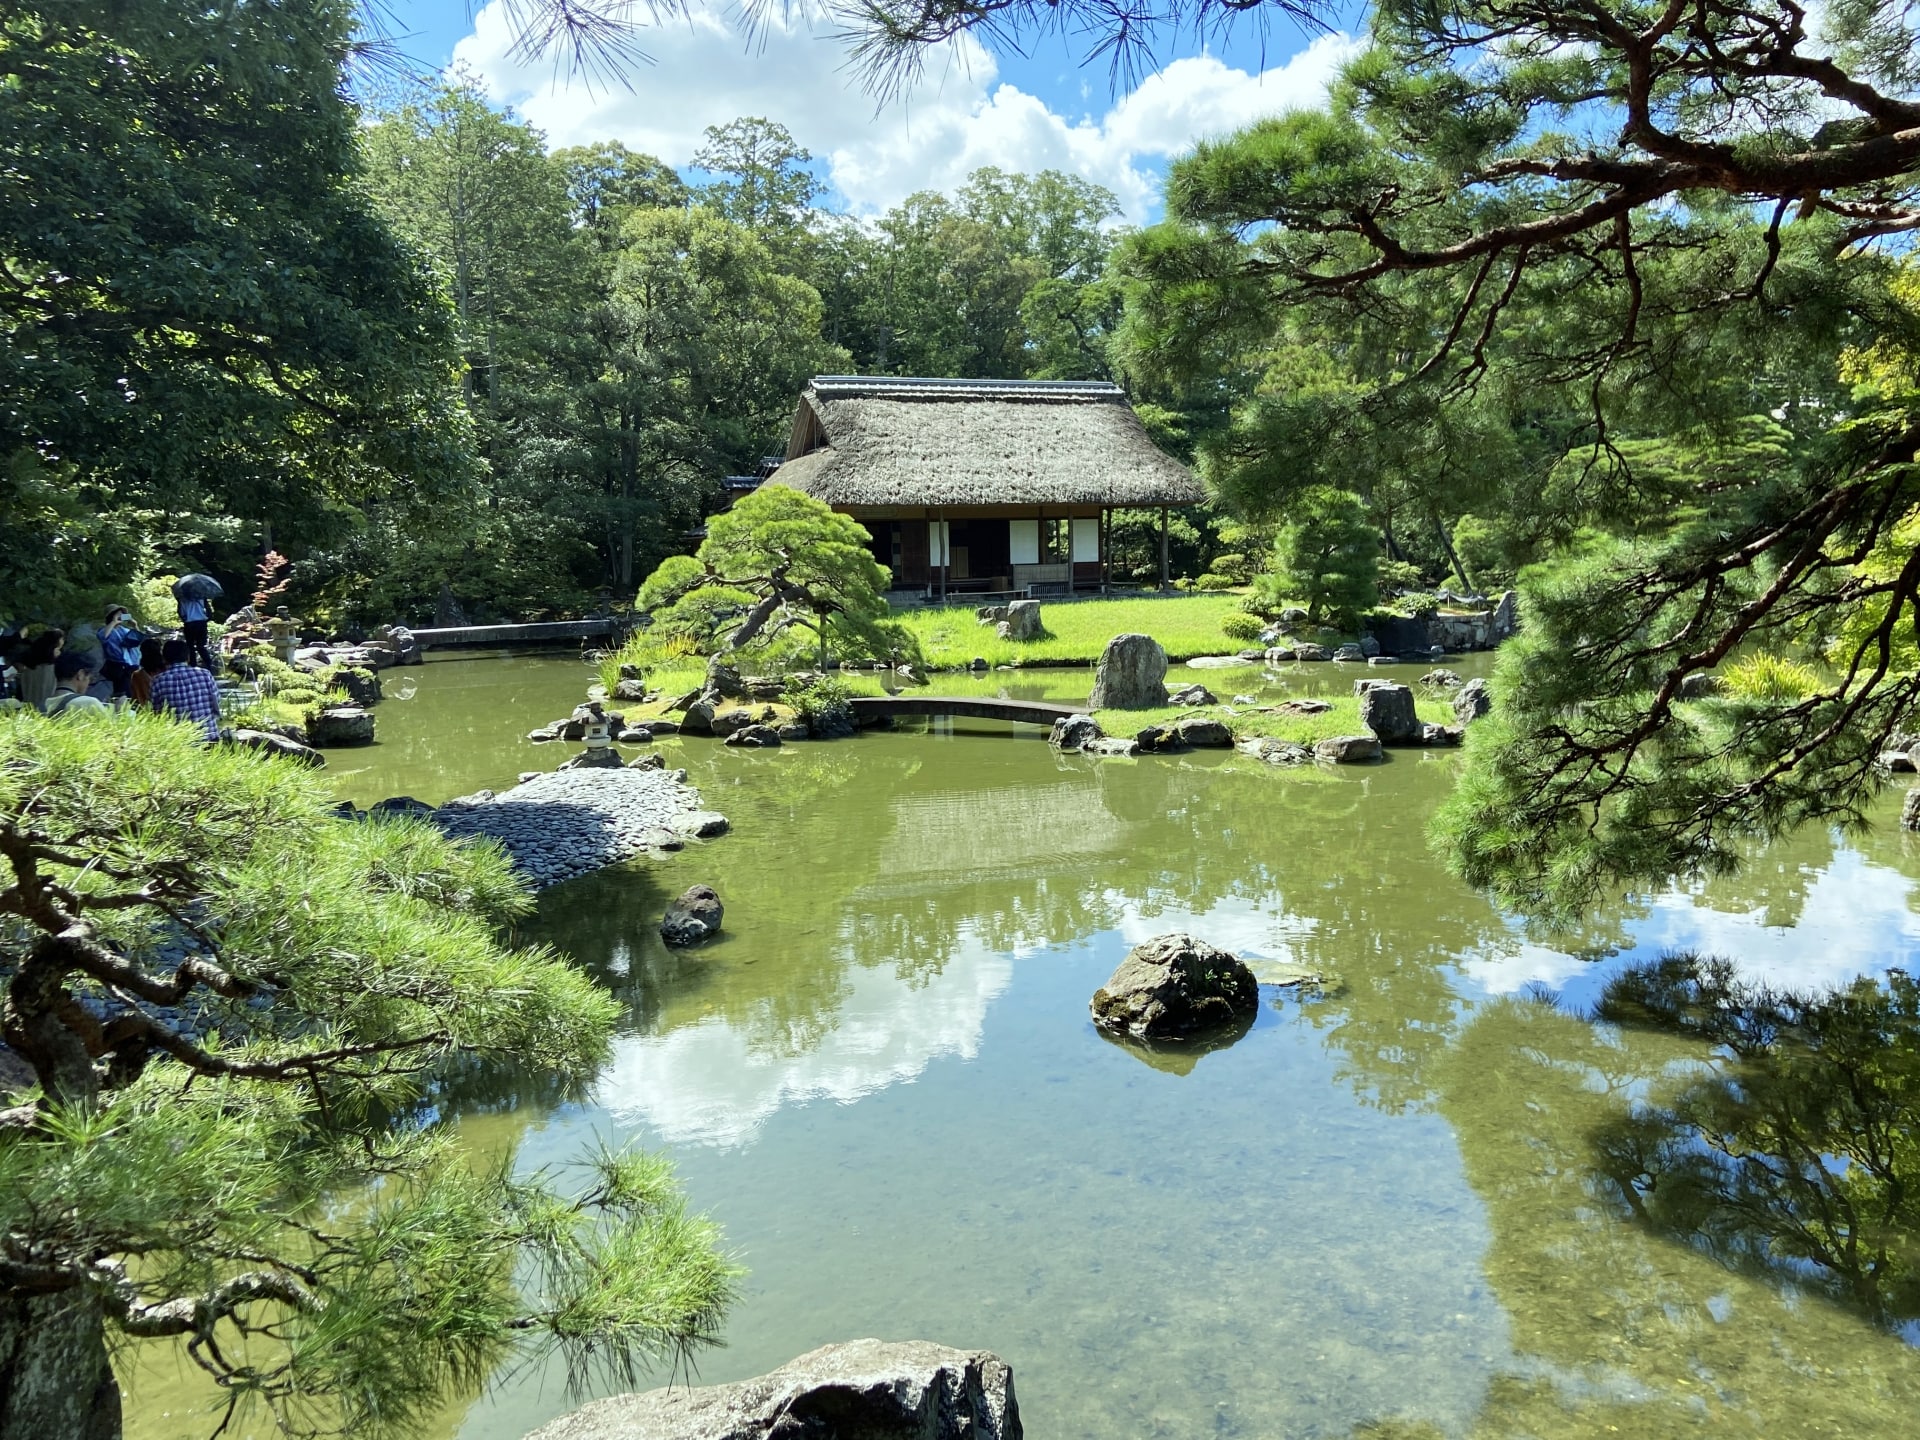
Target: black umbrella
{"type": "Point", "coordinates": [196, 587]}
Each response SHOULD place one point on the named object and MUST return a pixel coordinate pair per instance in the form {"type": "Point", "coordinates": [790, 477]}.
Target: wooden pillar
{"type": "Point", "coordinates": [1105, 515]}
{"type": "Point", "coordinates": [1165, 582]}
{"type": "Point", "coordinates": [946, 555]}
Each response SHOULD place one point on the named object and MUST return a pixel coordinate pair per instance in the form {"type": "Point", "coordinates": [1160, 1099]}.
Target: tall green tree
{"type": "Point", "coordinates": [222, 996]}
{"type": "Point", "coordinates": [476, 190]}
{"type": "Point", "coordinates": [204, 326]}
{"type": "Point", "coordinates": [760, 179]}
{"type": "Point", "coordinates": [1326, 555]}
{"type": "Point", "coordinates": [701, 346]}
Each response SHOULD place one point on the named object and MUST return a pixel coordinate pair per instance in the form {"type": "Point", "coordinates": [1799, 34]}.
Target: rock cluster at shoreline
{"type": "Point", "coordinates": [908, 1389]}
{"type": "Point", "coordinates": [570, 823]}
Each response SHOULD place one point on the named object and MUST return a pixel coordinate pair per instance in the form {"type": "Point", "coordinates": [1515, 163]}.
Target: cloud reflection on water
{"type": "Point", "coordinates": [707, 1083]}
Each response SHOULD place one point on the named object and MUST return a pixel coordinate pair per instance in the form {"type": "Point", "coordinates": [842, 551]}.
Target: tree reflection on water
{"type": "Point", "coordinates": [1792, 1152]}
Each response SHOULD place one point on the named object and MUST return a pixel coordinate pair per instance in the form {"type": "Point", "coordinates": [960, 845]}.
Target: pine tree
{"type": "Point", "coordinates": [225, 1007]}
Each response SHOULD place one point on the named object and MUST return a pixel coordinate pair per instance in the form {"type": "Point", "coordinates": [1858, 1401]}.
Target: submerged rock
{"type": "Point", "coordinates": [701, 824]}
{"type": "Point", "coordinates": [694, 917]}
{"type": "Point", "coordinates": [1275, 752]}
{"type": "Point", "coordinates": [1174, 986]}
{"type": "Point", "coordinates": [859, 1390]}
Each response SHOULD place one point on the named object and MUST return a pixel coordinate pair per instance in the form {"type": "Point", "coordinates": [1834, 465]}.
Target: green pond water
{"type": "Point", "coordinates": [1394, 1210]}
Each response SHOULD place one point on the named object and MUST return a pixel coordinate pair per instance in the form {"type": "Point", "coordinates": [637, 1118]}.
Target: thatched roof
{"type": "Point", "coordinates": [885, 441]}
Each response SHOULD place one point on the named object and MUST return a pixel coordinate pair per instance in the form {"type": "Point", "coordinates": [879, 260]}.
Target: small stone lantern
{"type": "Point", "coordinates": [599, 729]}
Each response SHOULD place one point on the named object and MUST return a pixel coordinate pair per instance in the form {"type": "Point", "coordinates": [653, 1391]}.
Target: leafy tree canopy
{"type": "Point", "coordinates": [202, 321]}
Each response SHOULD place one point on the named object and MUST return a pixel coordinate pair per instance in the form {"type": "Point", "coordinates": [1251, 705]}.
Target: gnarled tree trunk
{"type": "Point", "coordinates": [55, 1382]}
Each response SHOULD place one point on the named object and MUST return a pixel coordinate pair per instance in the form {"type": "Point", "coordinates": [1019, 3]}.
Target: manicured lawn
{"type": "Point", "coordinates": [1185, 626]}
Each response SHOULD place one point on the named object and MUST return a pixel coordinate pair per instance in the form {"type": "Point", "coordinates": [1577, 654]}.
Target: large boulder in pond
{"type": "Point", "coordinates": [1173, 986]}
{"type": "Point", "coordinates": [856, 1390]}
{"type": "Point", "coordinates": [360, 686]}
{"type": "Point", "coordinates": [1132, 674]}
{"type": "Point", "coordinates": [269, 743]}
{"type": "Point", "coordinates": [1472, 701]}
{"type": "Point", "coordinates": [340, 725]}
{"type": "Point", "coordinates": [694, 917]}
{"type": "Point", "coordinates": [1348, 749]}
{"type": "Point", "coordinates": [1073, 732]}
{"type": "Point", "coordinates": [1910, 810]}
{"type": "Point", "coordinates": [1387, 710]}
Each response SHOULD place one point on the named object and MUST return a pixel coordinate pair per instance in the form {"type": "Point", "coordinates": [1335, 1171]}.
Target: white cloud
{"type": "Point", "coordinates": [955, 121]}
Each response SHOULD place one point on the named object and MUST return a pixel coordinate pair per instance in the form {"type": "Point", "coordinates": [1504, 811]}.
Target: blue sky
{"type": "Point", "coordinates": [977, 106]}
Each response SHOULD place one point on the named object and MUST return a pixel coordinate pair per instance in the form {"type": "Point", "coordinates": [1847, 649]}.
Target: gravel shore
{"type": "Point", "coordinates": [573, 822]}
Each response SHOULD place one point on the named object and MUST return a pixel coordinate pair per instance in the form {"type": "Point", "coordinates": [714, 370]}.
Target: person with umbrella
{"type": "Point", "coordinates": [191, 593]}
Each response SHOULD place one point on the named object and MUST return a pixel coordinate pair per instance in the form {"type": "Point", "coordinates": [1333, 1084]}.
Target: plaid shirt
{"type": "Point", "coordinates": [190, 693]}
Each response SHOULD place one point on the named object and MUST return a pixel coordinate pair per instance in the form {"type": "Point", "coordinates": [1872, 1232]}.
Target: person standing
{"type": "Point", "coordinates": [35, 667]}
{"type": "Point", "coordinates": [70, 696]}
{"type": "Point", "coordinates": [193, 626]}
{"type": "Point", "coordinates": [186, 690]}
{"type": "Point", "coordinates": [120, 650]}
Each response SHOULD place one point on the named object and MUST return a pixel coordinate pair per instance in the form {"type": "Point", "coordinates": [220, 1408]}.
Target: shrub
{"type": "Point", "coordinates": [1236, 567]}
{"type": "Point", "coordinates": [822, 702]}
{"type": "Point", "coordinates": [1211, 581]}
{"type": "Point", "coordinates": [1239, 625]}
{"type": "Point", "coordinates": [1770, 678]}
{"type": "Point", "coordinates": [1397, 575]}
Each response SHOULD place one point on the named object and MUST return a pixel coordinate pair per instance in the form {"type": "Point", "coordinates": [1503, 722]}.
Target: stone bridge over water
{"type": "Point", "coordinates": [970, 707]}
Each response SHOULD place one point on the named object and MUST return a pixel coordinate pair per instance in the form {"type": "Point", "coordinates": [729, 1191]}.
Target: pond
{"type": "Point", "coordinates": [1402, 1208]}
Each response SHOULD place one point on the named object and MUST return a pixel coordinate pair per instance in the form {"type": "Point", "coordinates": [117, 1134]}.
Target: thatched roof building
{"type": "Point", "coordinates": [981, 485]}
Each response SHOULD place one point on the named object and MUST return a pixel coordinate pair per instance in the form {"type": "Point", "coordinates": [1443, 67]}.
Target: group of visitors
{"type": "Point", "coordinates": [117, 665]}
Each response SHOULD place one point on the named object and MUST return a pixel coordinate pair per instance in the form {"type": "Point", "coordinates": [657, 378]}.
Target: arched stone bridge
{"type": "Point", "coordinates": [970, 707]}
